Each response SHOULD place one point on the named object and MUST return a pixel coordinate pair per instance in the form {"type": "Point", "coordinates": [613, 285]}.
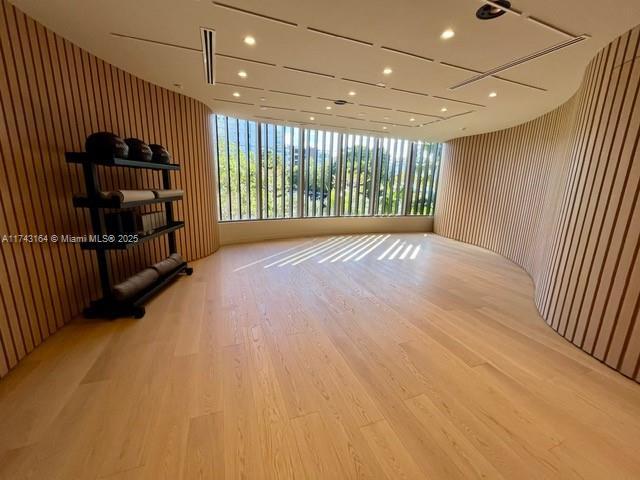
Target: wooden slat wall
{"type": "Point", "coordinates": [52, 95]}
{"type": "Point", "coordinates": [559, 196]}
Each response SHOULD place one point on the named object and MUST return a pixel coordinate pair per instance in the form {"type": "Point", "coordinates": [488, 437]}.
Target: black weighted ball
{"type": "Point", "coordinates": [138, 150]}
{"type": "Point", "coordinates": [160, 154]}
{"type": "Point", "coordinates": [106, 146]}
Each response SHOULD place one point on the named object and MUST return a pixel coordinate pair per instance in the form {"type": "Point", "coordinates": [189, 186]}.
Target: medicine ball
{"type": "Point", "coordinates": [160, 154]}
{"type": "Point", "coordinates": [138, 150]}
{"type": "Point", "coordinates": [106, 146]}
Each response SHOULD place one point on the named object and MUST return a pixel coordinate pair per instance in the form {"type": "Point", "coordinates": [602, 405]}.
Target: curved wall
{"type": "Point", "coordinates": [558, 196]}
{"type": "Point", "coordinates": [272, 229]}
{"type": "Point", "coordinates": [52, 95]}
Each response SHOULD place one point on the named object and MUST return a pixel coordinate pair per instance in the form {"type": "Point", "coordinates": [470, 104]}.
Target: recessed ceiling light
{"type": "Point", "coordinates": [412, 119]}
{"type": "Point", "coordinates": [387, 71]}
{"type": "Point", "coordinates": [236, 94]}
{"type": "Point", "coordinates": [493, 94]}
{"type": "Point", "coordinates": [312, 118]}
{"type": "Point", "coordinates": [242, 74]}
{"type": "Point", "coordinates": [352, 93]}
{"type": "Point", "coordinates": [385, 118]}
{"type": "Point", "coordinates": [249, 40]}
{"type": "Point", "coordinates": [447, 34]}
{"type": "Point", "coordinates": [262, 99]}
{"type": "Point", "coordinates": [328, 107]}
{"type": "Point", "coordinates": [384, 128]}
{"type": "Point", "coordinates": [443, 109]}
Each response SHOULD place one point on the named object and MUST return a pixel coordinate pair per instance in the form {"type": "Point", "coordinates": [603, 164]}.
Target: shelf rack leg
{"type": "Point", "coordinates": [168, 207]}
{"type": "Point", "coordinates": [98, 224]}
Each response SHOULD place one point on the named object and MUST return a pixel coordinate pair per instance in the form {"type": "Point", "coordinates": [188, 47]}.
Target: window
{"type": "Point", "coordinates": [424, 179]}
{"type": "Point", "coordinates": [358, 161]}
{"type": "Point", "coordinates": [320, 173]}
{"type": "Point", "coordinates": [276, 171]}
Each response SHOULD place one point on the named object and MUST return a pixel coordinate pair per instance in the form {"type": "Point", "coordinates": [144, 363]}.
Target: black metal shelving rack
{"type": "Point", "coordinates": [108, 306]}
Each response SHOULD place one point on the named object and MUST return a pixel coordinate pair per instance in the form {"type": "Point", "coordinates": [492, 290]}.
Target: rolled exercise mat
{"type": "Point", "coordinates": [135, 284]}
{"type": "Point", "coordinates": [168, 193]}
{"type": "Point", "coordinates": [166, 266]}
{"type": "Point", "coordinates": [129, 195]}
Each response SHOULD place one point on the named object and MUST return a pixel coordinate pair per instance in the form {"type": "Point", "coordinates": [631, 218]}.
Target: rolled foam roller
{"type": "Point", "coordinates": [135, 284]}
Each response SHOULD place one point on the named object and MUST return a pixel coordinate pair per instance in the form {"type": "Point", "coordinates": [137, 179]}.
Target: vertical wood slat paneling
{"type": "Point", "coordinates": [559, 196]}
{"type": "Point", "coordinates": [52, 95]}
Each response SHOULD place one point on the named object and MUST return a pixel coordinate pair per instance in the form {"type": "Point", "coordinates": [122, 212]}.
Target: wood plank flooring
{"type": "Point", "coordinates": [371, 357]}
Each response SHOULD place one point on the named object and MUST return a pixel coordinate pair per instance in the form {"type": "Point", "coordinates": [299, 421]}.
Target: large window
{"type": "Point", "coordinates": [276, 171]}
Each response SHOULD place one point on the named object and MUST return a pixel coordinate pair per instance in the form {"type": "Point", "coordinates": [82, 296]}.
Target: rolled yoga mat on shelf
{"type": "Point", "coordinates": [129, 195]}
{"type": "Point", "coordinates": [168, 193]}
{"type": "Point", "coordinates": [168, 265]}
{"type": "Point", "coordinates": [135, 284]}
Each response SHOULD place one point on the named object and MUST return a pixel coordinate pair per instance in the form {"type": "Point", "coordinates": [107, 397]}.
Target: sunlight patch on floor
{"type": "Point", "coordinates": [346, 248]}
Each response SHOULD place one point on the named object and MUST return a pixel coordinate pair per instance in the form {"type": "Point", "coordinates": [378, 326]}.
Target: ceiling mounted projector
{"type": "Point", "coordinates": [489, 11]}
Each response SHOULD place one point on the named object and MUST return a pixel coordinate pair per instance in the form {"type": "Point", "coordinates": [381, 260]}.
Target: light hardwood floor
{"type": "Point", "coordinates": [278, 360]}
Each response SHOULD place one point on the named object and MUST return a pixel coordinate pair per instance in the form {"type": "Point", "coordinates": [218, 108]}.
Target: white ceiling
{"type": "Point", "coordinates": [167, 48]}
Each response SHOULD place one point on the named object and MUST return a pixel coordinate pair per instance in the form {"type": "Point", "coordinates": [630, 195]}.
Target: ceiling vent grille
{"type": "Point", "coordinates": [208, 54]}
{"type": "Point", "coordinates": [520, 61]}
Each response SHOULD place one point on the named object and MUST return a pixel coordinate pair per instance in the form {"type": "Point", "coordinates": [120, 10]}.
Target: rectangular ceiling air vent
{"type": "Point", "coordinates": [208, 54]}
{"type": "Point", "coordinates": [520, 61]}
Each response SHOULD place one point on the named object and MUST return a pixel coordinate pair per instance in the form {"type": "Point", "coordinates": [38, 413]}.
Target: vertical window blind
{"type": "Point", "coordinates": [277, 171]}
